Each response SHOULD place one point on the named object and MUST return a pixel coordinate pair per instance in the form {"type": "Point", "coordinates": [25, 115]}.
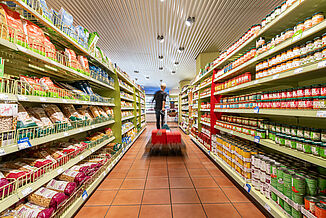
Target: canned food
{"type": "Point", "coordinates": [320, 210]}
{"type": "Point", "coordinates": [322, 199]}
{"type": "Point", "coordinates": [298, 198]}
{"type": "Point", "coordinates": [287, 208]}
{"type": "Point", "coordinates": [296, 213]}
{"type": "Point", "coordinates": [310, 203]}
{"type": "Point", "coordinates": [298, 184]}
{"type": "Point", "coordinates": [322, 185]}
{"type": "Point", "coordinates": [311, 185]}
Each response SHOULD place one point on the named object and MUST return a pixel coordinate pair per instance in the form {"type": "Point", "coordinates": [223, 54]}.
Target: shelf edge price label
{"type": "Point", "coordinates": [42, 99]}
{"type": "Point", "coordinates": [298, 70]}
{"type": "Point", "coordinates": [2, 152]}
{"type": "Point", "coordinates": [85, 195]}
{"type": "Point", "coordinates": [64, 101]}
{"type": "Point", "coordinates": [59, 171]}
{"type": "Point", "coordinates": [4, 97]}
{"type": "Point", "coordinates": [256, 110]}
{"type": "Point", "coordinates": [276, 76]}
{"type": "Point", "coordinates": [297, 35]}
{"type": "Point", "coordinates": [92, 150]}
{"type": "Point", "coordinates": [81, 157]}
{"type": "Point", "coordinates": [267, 207]}
{"type": "Point", "coordinates": [24, 143]}
{"type": "Point", "coordinates": [22, 97]}
{"type": "Point", "coordinates": [257, 139]}
{"type": "Point", "coordinates": [66, 134]}
{"type": "Point", "coordinates": [321, 64]}
{"type": "Point", "coordinates": [321, 114]}
{"type": "Point", "coordinates": [27, 191]}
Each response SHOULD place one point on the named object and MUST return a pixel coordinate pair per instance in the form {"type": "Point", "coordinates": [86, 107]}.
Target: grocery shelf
{"type": "Point", "coordinates": [127, 99]}
{"type": "Point", "coordinates": [185, 115]}
{"type": "Point", "coordinates": [4, 150]}
{"type": "Point", "coordinates": [184, 103]}
{"type": "Point", "coordinates": [127, 118]}
{"type": "Point", "coordinates": [205, 86]}
{"type": "Point", "coordinates": [183, 129]}
{"type": "Point", "coordinates": [278, 112]}
{"type": "Point", "coordinates": [270, 144]}
{"type": "Point", "coordinates": [195, 99]}
{"type": "Point", "coordinates": [126, 88]}
{"type": "Point", "coordinates": [127, 108]}
{"type": "Point", "coordinates": [205, 110]}
{"type": "Point", "coordinates": [127, 130]}
{"type": "Point", "coordinates": [185, 109]}
{"type": "Point", "coordinates": [304, 72]}
{"type": "Point", "coordinates": [184, 96]}
{"type": "Point", "coordinates": [205, 96]}
{"type": "Point", "coordinates": [307, 33]}
{"type": "Point", "coordinates": [205, 123]}
{"type": "Point", "coordinates": [27, 189]}
{"type": "Point", "coordinates": [261, 199]}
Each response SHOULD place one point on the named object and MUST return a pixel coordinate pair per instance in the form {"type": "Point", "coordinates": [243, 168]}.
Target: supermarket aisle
{"type": "Point", "coordinates": [142, 186]}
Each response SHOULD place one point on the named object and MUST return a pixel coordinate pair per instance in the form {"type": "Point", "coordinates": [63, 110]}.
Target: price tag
{"type": "Point", "coordinates": [4, 97]}
{"type": "Point", "coordinates": [64, 101]}
{"type": "Point", "coordinates": [321, 64]}
{"type": "Point", "coordinates": [256, 110]}
{"type": "Point", "coordinates": [84, 195]}
{"type": "Point", "coordinates": [276, 76]}
{"type": "Point", "coordinates": [321, 114]}
{"type": "Point", "coordinates": [272, 48]}
{"type": "Point", "coordinates": [297, 35]}
{"type": "Point", "coordinates": [84, 102]}
{"type": "Point", "coordinates": [59, 171]}
{"type": "Point", "coordinates": [81, 130]}
{"type": "Point", "coordinates": [65, 134]}
{"type": "Point", "coordinates": [22, 97]}
{"type": "Point", "coordinates": [2, 152]}
{"type": "Point", "coordinates": [257, 139]}
{"type": "Point", "coordinates": [81, 157]}
{"type": "Point", "coordinates": [231, 132]}
{"type": "Point", "coordinates": [92, 150]}
{"type": "Point", "coordinates": [22, 49]}
{"type": "Point", "coordinates": [53, 62]}
{"type": "Point", "coordinates": [93, 127]}
{"type": "Point", "coordinates": [77, 102]}
{"type": "Point", "coordinates": [298, 70]}
{"type": "Point", "coordinates": [42, 99]}
{"type": "Point", "coordinates": [247, 187]}
{"type": "Point", "coordinates": [255, 81]}
{"type": "Point", "coordinates": [268, 208]}
{"type": "Point", "coordinates": [24, 143]}
{"type": "Point", "coordinates": [27, 191]}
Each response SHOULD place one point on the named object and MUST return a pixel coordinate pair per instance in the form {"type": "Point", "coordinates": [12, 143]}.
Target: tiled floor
{"type": "Point", "coordinates": [190, 186]}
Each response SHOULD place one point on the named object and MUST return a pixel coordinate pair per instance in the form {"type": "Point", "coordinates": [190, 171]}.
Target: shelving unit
{"type": "Point", "coordinates": [184, 109]}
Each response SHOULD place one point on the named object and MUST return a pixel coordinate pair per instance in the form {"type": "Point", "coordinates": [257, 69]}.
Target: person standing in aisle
{"type": "Point", "coordinates": [160, 99]}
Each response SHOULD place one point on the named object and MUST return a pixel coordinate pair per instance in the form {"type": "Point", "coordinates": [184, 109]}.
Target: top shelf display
{"type": "Point", "coordinates": [282, 17]}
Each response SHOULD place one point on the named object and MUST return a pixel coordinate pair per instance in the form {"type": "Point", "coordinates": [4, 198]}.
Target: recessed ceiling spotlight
{"type": "Point", "coordinates": [176, 63]}
{"type": "Point", "coordinates": [181, 49]}
{"type": "Point", "coordinates": [136, 71]}
{"type": "Point", "coordinates": [160, 68]}
{"type": "Point", "coordinates": [160, 57]}
{"type": "Point", "coordinates": [173, 72]}
{"type": "Point", "coordinates": [136, 79]}
{"type": "Point", "coordinates": [160, 38]}
{"type": "Point", "coordinates": [190, 21]}
{"type": "Point", "coordinates": [147, 77]}
{"type": "Point", "coordinates": [161, 0]}
{"type": "Point", "coordinates": [161, 80]}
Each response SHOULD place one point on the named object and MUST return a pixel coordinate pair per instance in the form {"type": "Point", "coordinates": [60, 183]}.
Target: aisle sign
{"type": "Point", "coordinates": [2, 67]}
{"type": "Point", "coordinates": [257, 139]}
{"type": "Point", "coordinates": [84, 195]}
{"type": "Point", "coordinates": [297, 35]}
{"type": "Point", "coordinates": [256, 110]}
{"type": "Point", "coordinates": [24, 143]}
{"type": "Point", "coordinates": [247, 187]}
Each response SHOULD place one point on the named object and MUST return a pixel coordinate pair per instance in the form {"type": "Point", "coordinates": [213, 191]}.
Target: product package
{"type": "Point", "coordinates": [92, 41]}
{"type": "Point", "coordinates": [31, 87]}
{"type": "Point", "coordinates": [8, 117]}
{"type": "Point", "coordinates": [84, 64]}
{"type": "Point", "coordinates": [70, 112]}
{"type": "Point", "coordinates": [85, 113]}
{"type": "Point", "coordinates": [72, 59]}
{"type": "Point", "coordinates": [50, 50]}
{"type": "Point", "coordinates": [23, 118]}
{"type": "Point", "coordinates": [39, 116]}
{"type": "Point", "coordinates": [35, 36]}
{"type": "Point", "coordinates": [73, 176]}
{"type": "Point", "coordinates": [55, 114]}
{"type": "Point", "coordinates": [47, 198]}
{"type": "Point", "coordinates": [95, 112]}
{"type": "Point", "coordinates": [31, 210]}
{"type": "Point", "coordinates": [3, 19]}
{"type": "Point", "coordinates": [62, 186]}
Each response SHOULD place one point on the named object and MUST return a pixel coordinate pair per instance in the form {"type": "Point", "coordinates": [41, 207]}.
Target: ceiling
{"type": "Point", "coordinates": [128, 31]}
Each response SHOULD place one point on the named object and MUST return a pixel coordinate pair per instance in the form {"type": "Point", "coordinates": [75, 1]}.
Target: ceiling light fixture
{"type": "Point", "coordinates": [162, 0]}
{"type": "Point", "coordinates": [160, 38]}
{"type": "Point", "coordinates": [147, 77]}
{"type": "Point", "coordinates": [190, 21]}
{"type": "Point", "coordinates": [176, 63]}
{"type": "Point", "coordinates": [160, 57]}
{"type": "Point", "coordinates": [160, 68]}
{"type": "Point", "coordinates": [181, 49]}
{"type": "Point", "coordinates": [136, 71]}
{"type": "Point", "coordinates": [173, 72]}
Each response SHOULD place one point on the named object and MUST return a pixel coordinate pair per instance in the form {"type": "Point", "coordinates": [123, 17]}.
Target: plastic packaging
{"type": "Point", "coordinates": [47, 198]}
{"type": "Point", "coordinates": [62, 186]}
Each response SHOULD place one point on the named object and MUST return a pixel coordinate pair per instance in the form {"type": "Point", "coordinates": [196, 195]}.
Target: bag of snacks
{"type": "Point", "coordinates": [4, 191]}
{"type": "Point", "coordinates": [73, 176]}
{"type": "Point", "coordinates": [39, 114]}
{"type": "Point", "coordinates": [3, 21]}
{"type": "Point", "coordinates": [55, 113]}
{"type": "Point", "coordinates": [84, 112]}
{"type": "Point", "coordinates": [31, 211]}
{"type": "Point", "coordinates": [35, 36]}
{"type": "Point", "coordinates": [84, 63]}
{"type": "Point", "coordinates": [108, 111]}
{"type": "Point", "coordinates": [62, 186]}
{"type": "Point", "coordinates": [36, 162]}
{"type": "Point", "coordinates": [50, 50]}
{"type": "Point", "coordinates": [23, 118]}
{"type": "Point", "coordinates": [95, 112]}
{"type": "Point", "coordinates": [13, 173]}
{"type": "Point", "coordinates": [47, 198]}
{"type": "Point", "coordinates": [72, 59]}
{"type": "Point", "coordinates": [70, 112]}
{"type": "Point", "coordinates": [102, 112]}
{"type": "Point", "coordinates": [8, 117]}
{"type": "Point", "coordinates": [31, 87]}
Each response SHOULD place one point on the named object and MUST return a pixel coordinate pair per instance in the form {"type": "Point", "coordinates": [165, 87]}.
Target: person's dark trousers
{"type": "Point", "coordinates": [159, 119]}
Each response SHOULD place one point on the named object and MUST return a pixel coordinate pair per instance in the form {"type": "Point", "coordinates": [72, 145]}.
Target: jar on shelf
{"type": "Point", "coordinates": [300, 143]}
{"type": "Point", "coordinates": [322, 150]}
{"type": "Point", "coordinates": [318, 43]}
{"type": "Point", "coordinates": [315, 134]}
{"type": "Point", "coordinates": [317, 18]}
{"type": "Point", "coordinates": [307, 133]}
{"type": "Point", "coordinates": [307, 146]}
{"type": "Point", "coordinates": [308, 23]}
{"type": "Point", "coordinates": [307, 91]}
{"type": "Point", "coordinates": [293, 130]}
{"type": "Point", "coordinates": [310, 46]}
{"type": "Point", "coordinates": [315, 146]}
{"type": "Point", "coordinates": [300, 26]}
{"type": "Point", "coordinates": [323, 135]}
{"type": "Point", "coordinates": [300, 132]}
{"type": "Point", "coordinates": [315, 90]}
{"type": "Point", "coordinates": [318, 55]}
{"type": "Point", "coordinates": [300, 92]}
{"type": "Point", "coordinates": [303, 49]}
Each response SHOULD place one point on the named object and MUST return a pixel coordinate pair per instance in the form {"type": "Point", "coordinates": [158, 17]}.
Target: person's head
{"type": "Point", "coordinates": [163, 86]}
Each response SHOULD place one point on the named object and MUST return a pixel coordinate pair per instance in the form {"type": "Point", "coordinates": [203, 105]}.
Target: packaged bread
{"type": "Point", "coordinates": [108, 111]}
{"type": "Point", "coordinates": [39, 114]}
{"type": "Point", "coordinates": [5, 188]}
{"type": "Point", "coordinates": [102, 112]}
{"type": "Point", "coordinates": [36, 162]}
{"type": "Point", "coordinates": [54, 113]}
{"type": "Point", "coordinates": [47, 198]}
{"type": "Point", "coordinates": [70, 112]}
{"type": "Point", "coordinates": [62, 186]}
{"type": "Point", "coordinates": [23, 118]}
{"type": "Point", "coordinates": [13, 173]}
{"type": "Point", "coordinates": [73, 176]}
{"type": "Point", "coordinates": [95, 112]}
{"type": "Point", "coordinates": [85, 113]}
{"type": "Point", "coordinates": [29, 210]}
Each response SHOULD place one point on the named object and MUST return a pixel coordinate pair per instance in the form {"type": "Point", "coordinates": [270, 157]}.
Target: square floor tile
{"type": "Point", "coordinates": [188, 211]}
{"type": "Point", "coordinates": [204, 182]}
{"type": "Point", "coordinates": [248, 210]}
{"type": "Point", "coordinates": [155, 211]}
{"type": "Point", "coordinates": [116, 175]}
{"type": "Point", "coordinates": [212, 195]}
{"type": "Point", "coordinates": [157, 183]}
{"type": "Point", "coordinates": [101, 197]}
{"type": "Point", "coordinates": [133, 184]}
{"type": "Point", "coordinates": [199, 173]}
{"type": "Point", "coordinates": [221, 210]}
{"type": "Point", "coordinates": [223, 181]}
{"type": "Point", "coordinates": [215, 172]}
{"type": "Point", "coordinates": [178, 173]}
{"type": "Point", "coordinates": [235, 195]}
{"type": "Point", "coordinates": [108, 184]}
{"type": "Point", "coordinates": [184, 196]}
{"type": "Point", "coordinates": [128, 197]}
{"type": "Point", "coordinates": [156, 196]}
{"type": "Point", "coordinates": [137, 174]}
{"type": "Point", "coordinates": [122, 211]}
{"type": "Point", "coordinates": [87, 212]}
{"type": "Point", "coordinates": [176, 182]}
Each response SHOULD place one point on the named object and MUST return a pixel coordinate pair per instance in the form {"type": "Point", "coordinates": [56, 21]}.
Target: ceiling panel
{"type": "Point", "coordinates": [128, 30]}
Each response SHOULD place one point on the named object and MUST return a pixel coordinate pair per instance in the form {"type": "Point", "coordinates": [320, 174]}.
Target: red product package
{"type": "Point", "coordinates": [47, 198]}
{"type": "Point", "coordinates": [72, 59]}
{"type": "Point", "coordinates": [35, 35]}
{"type": "Point", "coordinates": [62, 186]}
{"type": "Point", "coordinates": [5, 188]}
{"type": "Point", "coordinates": [50, 50]}
{"type": "Point", "coordinates": [32, 210]}
{"type": "Point", "coordinates": [46, 83]}
{"type": "Point", "coordinates": [34, 84]}
{"type": "Point", "coordinates": [16, 30]}
{"type": "Point", "coordinates": [73, 176]}
{"type": "Point", "coordinates": [83, 62]}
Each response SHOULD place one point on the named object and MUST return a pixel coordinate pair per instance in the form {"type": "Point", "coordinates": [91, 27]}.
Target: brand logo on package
{"type": "Point", "coordinates": [24, 143]}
